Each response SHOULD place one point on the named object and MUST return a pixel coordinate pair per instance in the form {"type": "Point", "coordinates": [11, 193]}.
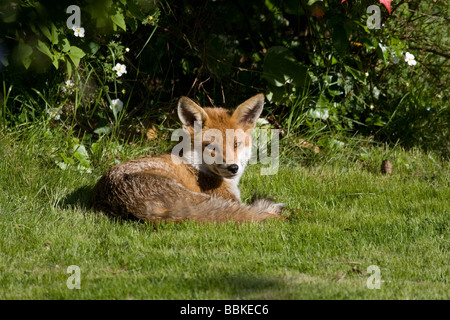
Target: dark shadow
{"type": "Point", "coordinates": [237, 286]}
{"type": "Point", "coordinates": [242, 285]}
{"type": "Point", "coordinates": [80, 198]}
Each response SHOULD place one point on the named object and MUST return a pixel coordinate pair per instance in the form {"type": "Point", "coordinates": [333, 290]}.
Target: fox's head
{"type": "Point", "coordinates": [219, 137]}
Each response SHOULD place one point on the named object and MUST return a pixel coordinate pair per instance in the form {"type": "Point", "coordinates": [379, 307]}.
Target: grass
{"type": "Point", "coordinates": [344, 217]}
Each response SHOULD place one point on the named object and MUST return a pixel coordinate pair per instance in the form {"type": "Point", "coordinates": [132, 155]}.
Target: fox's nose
{"type": "Point", "coordinates": [233, 168]}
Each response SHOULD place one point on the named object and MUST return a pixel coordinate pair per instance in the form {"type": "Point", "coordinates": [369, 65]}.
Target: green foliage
{"type": "Point", "coordinates": [328, 79]}
{"type": "Point", "coordinates": [322, 69]}
{"type": "Point", "coordinates": [62, 76]}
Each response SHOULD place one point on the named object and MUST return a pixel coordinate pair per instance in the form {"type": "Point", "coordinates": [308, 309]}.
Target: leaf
{"type": "Point", "coordinates": [24, 52]}
{"type": "Point", "coordinates": [323, 102]}
{"type": "Point", "coordinates": [132, 23]}
{"type": "Point", "coordinates": [62, 165]}
{"type": "Point", "coordinates": [96, 149]}
{"type": "Point", "coordinates": [135, 11]}
{"type": "Point", "coordinates": [80, 152]}
{"type": "Point", "coordinates": [333, 60]}
{"type": "Point", "coordinates": [375, 120]}
{"type": "Point", "coordinates": [94, 47]}
{"type": "Point", "coordinates": [368, 43]}
{"type": "Point", "coordinates": [46, 32]}
{"type": "Point", "coordinates": [358, 75]}
{"type": "Point", "coordinates": [75, 54]}
{"type": "Point", "coordinates": [69, 68]}
{"type": "Point", "coordinates": [383, 53]}
{"type": "Point", "coordinates": [26, 62]}
{"type": "Point", "coordinates": [103, 130]}
{"type": "Point", "coordinates": [119, 20]}
{"type": "Point", "coordinates": [340, 40]}
{"type": "Point", "coordinates": [4, 61]}
{"type": "Point", "coordinates": [85, 163]}
{"type": "Point", "coordinates": [55, 60]}
{"type": "Point", "coordinates": [66, 45]}
{"type": "Point", "coordinates": [338, 144]}
{"type": "Point", "coordinates": [67, 160]}
{"type": "Point", "coordinates": [275, 94]}
{"type": "Point", "coordinates": [281, 67]}
{"type": "Point", "coordinates": [41, 46]}
{"type": "Point", "coordinates": [54, 35]}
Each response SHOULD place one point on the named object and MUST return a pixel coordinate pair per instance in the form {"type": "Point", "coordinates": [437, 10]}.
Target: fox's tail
{"type": "Point", "coordinates": [112, 195]}
{"type": "Point", "coordinates": [216, 209]}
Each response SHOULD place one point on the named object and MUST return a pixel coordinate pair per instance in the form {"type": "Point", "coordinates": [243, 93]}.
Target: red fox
{"type": "Point", "coordinates": [174, 187]}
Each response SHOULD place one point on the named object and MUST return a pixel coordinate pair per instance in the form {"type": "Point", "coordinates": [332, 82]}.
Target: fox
{"type": "Point", "coordinates": [176, 187]}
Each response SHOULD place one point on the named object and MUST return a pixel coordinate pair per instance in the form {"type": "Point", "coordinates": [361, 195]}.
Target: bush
{"type": "Point", "coordinates": [321, 67]}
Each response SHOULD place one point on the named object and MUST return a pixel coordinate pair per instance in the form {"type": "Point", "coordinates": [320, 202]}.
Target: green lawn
{"type": "Point", "coordinates": [344, 216]}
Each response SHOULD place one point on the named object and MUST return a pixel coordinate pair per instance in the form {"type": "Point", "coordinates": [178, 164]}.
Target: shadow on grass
{"type": "Point", "coordinates": [239, 286]}
{"type": "Point", "coordinates": [79, 198]}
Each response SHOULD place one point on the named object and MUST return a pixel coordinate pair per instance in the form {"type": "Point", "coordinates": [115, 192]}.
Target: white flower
{"type": "Point", "coordinates": [54, 113]}
{"type": "Point", "coordinates": [120, 69]}
{"type": "Point", "coordinates": [69, 84]}
{"type": "Point", "coordinates": [127, 49]}
{"type": "Point", "coordinates": [78, 31]}
{"type": "Point", "coordinates": [410, 59]}
{"type": "Point", "coordinates": [67, 87]}
{"type": "Point", "coordinates": [262, 121]}
{"type": "Point", "coordinates": [116, 105]}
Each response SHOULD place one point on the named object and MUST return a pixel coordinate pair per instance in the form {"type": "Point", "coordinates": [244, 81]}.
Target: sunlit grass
{"type": "Point", "coordinates": [343, 216]}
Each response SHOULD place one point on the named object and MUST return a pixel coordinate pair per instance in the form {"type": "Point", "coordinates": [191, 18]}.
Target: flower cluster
{"type": "Point", "coordinates": [116, 104]}
{"type": "Point", "coordinates": [54, 113]}
{"type": "Point", "coordinates": [68, 86]}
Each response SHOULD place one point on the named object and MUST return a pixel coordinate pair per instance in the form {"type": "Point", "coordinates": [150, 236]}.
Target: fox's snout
{"type": "Point", "coordinates": [225, 170]}
{"type": "Point", "coordinates": [234, 168]}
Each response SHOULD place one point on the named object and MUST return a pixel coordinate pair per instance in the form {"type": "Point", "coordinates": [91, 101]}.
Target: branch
{"type": "Point", "coordinates": [442, 54]}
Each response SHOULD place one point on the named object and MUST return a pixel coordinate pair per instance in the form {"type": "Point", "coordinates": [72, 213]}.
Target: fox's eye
{"type": "Point", "coordinates": [211, 148]}
{"type": "Point", "coordinates": [237, 144]}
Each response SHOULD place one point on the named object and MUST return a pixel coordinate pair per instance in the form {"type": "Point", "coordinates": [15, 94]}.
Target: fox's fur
{"type": "Point", "coordinates": [157, 189]}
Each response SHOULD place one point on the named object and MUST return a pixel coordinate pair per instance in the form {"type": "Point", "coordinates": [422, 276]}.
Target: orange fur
{"type": "Point", "coordinates": [157, 189]}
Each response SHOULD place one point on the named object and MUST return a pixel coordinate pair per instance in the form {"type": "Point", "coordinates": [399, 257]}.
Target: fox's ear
{"type": "Point", "coordinates": [189, 111]}
{"type": "Point", "coordinates": [248, 112]}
